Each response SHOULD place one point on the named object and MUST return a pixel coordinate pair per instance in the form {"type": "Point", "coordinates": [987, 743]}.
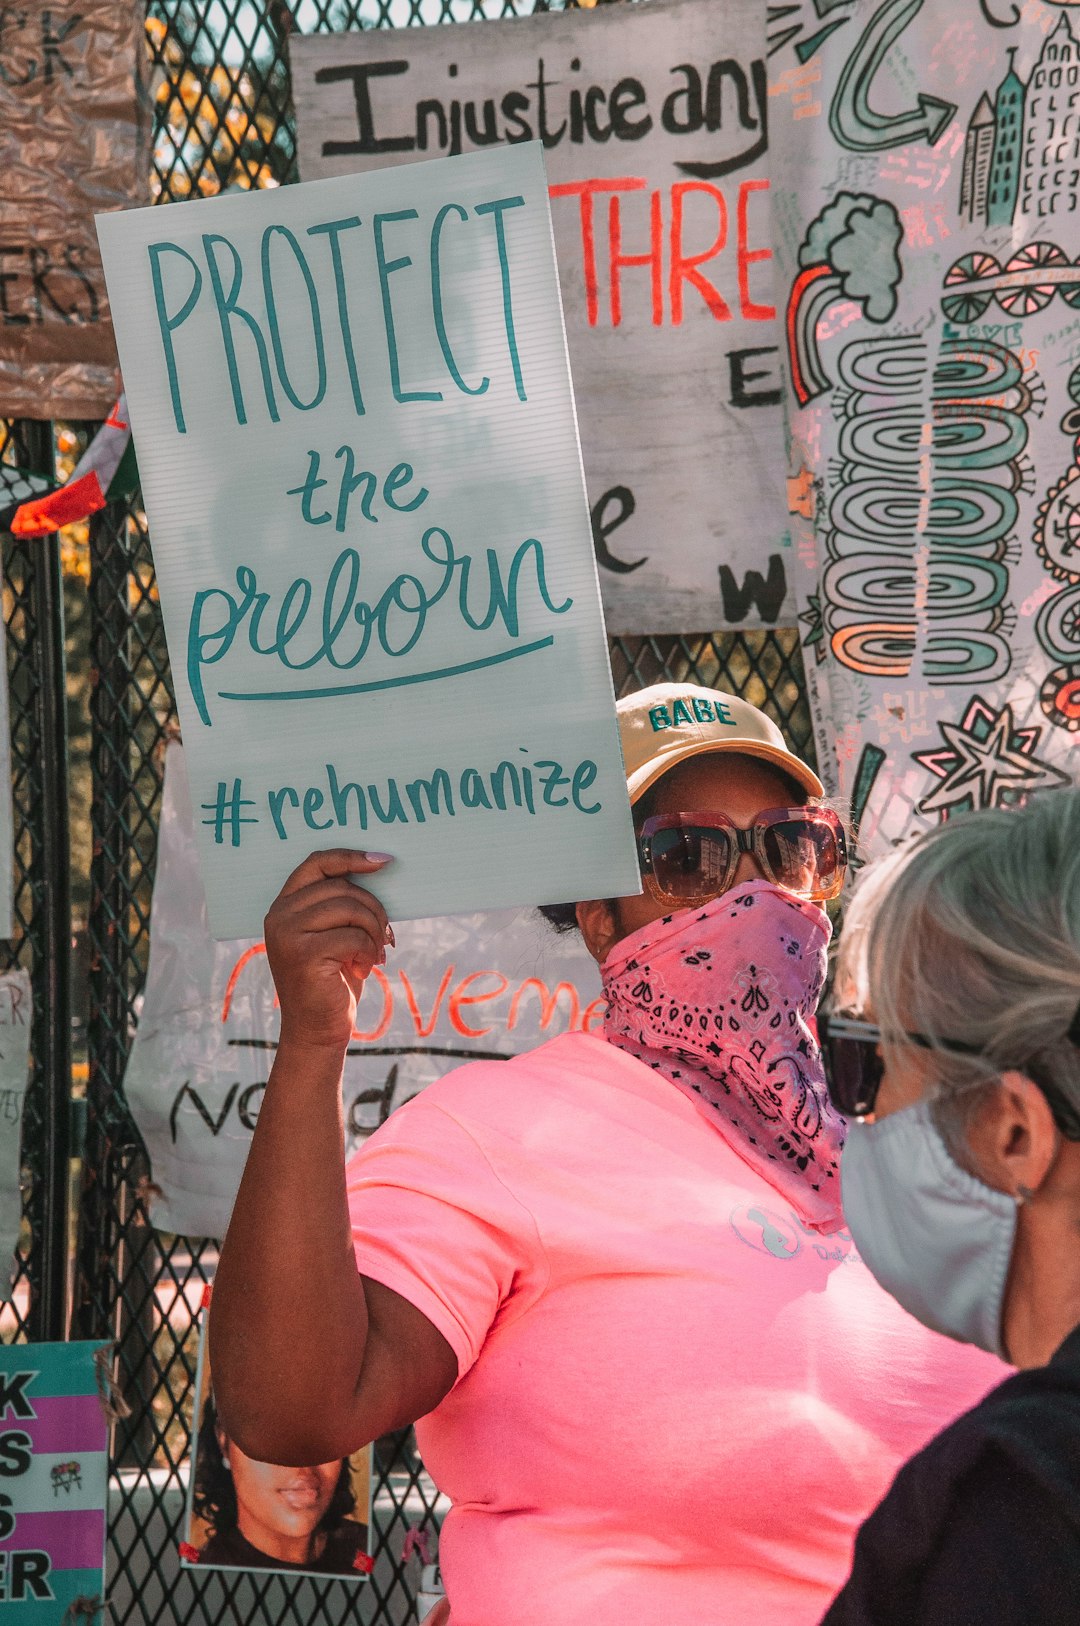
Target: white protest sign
{"type": "Point", "coordinates": [7, 824]}
{"type": "Point", "coordinates": [16, 1013]}
{"type": "Point", "coordinates": [352, 409]}
{"type": "Point", "coordinates": [454, 989]}
{"type": "Point", "coordinates": [654, 123]}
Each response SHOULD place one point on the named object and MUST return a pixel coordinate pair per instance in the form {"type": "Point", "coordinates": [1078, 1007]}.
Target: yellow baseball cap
{"type": "Point", "coordinates": [670, 722]}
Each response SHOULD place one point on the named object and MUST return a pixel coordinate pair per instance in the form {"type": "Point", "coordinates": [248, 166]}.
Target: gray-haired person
{"type": "Point", "coordinates": [961, 1187]}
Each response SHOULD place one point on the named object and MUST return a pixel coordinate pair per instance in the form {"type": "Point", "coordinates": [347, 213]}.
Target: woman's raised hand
{"type": "Point", "coordinates": [323, 935]}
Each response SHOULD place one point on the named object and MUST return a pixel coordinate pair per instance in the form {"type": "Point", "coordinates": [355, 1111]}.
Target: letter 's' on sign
{"type": "Point", "coordinates": [352, 408]}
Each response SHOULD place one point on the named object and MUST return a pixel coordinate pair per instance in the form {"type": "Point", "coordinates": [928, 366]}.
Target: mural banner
{"type": "Point", "coordinates": [458, 988]}
{"type": "Point", "coordinates": [74, 139]}
{"type": "Point", "coordinates": [653, 121]}
{"type": "Point", "coordinates": [56, 1474]}
{"type": "Point", "coordinates": [352, 410]}
{"type": "Point", "coordinates": [926, 175]}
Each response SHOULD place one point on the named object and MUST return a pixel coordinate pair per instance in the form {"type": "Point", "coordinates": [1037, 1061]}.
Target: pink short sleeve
{"type": "Point", "coordinates": [433, 1221]}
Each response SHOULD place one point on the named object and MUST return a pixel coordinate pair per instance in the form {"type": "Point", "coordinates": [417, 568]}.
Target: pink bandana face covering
{"type": "Point", "coordinates": [717, 999]}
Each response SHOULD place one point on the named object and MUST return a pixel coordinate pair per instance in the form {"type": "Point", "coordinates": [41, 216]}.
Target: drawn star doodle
{"type": "Point", "coordinates": [814, 636]}
{"type": "Point", "coordinates": [986, 762]}
{"type": "Point", "coordinates": [785, 23]}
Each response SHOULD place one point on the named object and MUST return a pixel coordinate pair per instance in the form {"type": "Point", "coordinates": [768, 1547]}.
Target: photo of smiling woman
{"type": "Point", "coordinates": [249, 1515]}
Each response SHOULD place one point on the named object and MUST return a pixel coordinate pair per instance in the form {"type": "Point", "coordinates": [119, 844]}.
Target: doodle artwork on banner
{"type": "Point", "coordinates": [1057, 541]}
{"type": "Point", "coordinates": [926, 172]}
{"type": "Point", "coordinates": [986, 762]}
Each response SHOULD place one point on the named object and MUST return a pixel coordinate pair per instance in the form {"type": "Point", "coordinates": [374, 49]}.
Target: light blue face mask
{"type": "Point", "coordinates": [936, 1238]}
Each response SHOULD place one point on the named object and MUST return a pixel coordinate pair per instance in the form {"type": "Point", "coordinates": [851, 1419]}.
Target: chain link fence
{"type": "Point", "coordinates": [223, 118]}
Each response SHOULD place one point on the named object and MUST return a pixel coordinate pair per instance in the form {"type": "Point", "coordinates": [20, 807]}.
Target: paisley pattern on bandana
{"type": "Point", "coordinates": [718, 1000]}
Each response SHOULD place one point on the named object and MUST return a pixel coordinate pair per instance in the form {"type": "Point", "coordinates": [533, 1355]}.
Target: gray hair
{"type": "Point", "coordinates": [971, 933]}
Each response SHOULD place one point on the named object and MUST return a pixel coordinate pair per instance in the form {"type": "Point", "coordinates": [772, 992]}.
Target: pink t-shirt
{"type": "Point", "coordinates": [675, 1404]}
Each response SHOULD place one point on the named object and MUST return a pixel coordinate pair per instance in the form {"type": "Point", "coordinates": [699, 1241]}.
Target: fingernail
{"type": "Point", "coordinates": [389, 936]}
{"type": "Point", "coordinates": [379, 858]}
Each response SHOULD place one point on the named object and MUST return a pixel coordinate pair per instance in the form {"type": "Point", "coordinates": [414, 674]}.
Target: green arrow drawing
{"type": "Point", "coordinates": [853, 121]}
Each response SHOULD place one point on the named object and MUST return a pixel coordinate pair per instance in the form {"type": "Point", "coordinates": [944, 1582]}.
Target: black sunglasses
{"type": "Point", "coordinates": [689, 858]}
{"type": "Point", "coordinates": [854, 1068]}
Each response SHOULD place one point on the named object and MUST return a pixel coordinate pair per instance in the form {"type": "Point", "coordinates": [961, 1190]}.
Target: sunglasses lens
{"type": "Point", "coordinates": [690, 862]}
{"type": "Point", "coordinates": [805, 856]}
{"type": "Point", "coordinates": [853, 1072]}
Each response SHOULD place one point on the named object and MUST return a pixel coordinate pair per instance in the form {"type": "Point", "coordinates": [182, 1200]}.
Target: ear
{"type": "Point", "coordinates": [598, 926]}
{"type": "Point", "coordinates": [1014, 1139]}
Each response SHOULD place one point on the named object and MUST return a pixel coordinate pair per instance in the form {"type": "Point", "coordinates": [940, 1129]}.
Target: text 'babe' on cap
{"type": "Point", "coordinates": [670, 722]}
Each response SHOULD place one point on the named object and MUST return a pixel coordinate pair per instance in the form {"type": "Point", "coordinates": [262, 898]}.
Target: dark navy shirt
{"type": "Point", "coordinates": [982, 1527]}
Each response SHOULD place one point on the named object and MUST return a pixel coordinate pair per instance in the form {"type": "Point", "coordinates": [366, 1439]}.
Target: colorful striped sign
{"type": "Point", "coordinates": [54, 1467]}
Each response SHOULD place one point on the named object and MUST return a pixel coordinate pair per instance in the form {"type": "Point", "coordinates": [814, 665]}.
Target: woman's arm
{"type": "Point", "coordinates": [309, 1359]}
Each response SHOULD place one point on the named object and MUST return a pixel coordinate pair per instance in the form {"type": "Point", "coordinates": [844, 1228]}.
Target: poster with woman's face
{"type": "Point", "coordinates": [248, 1515]}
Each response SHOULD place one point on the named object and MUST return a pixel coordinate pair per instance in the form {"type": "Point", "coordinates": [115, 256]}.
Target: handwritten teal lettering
{"type": "Point", "coordinates": [332, 229]}
{"type": "Point", "coordinates": [307, 490]}
{"type": "Point", "coordinates": [207, 646]}
{"type": "Point", "coordinates": [277, 800]}
{"type": "Point", "coordinates": [527, 784]}
{"type": "Point", "coordinates": [505, 770]}
{"type": "Point", "coordinates": [265, 351]}
{"type": "Point", "coordinates": [437, 300]}
{"type": "Point", "coordinates": [386, 269]}
{"type": "Point", "coordinates": [502, 601]}
{"type": "Point", "coordinates": [349, 482]}
{"type": "Point", "coordinates": [473, 793]}
{"type": "Point", "coordinates": [584, 774]}
{"type": "Point", "coordinates": [349, 627]}
{"type": "Point", "coordinates": [339, 796]}
{"type": "Point", "coordinates": [551, 781]}
{"type": "Point", "coordinates": [399, 476]}
{"type": "Point", "coordinates": [169, 322]}
{"type": "Point", "coordinates": [496, 209]}
{"type": "Point", "coordinates": [435, 789]}
{"type": "Point", "coordinates": [313, 801]}
{"type": "Point", "coordinates": [394, 811]}
{"type": "Point", "coordinates": [270, 296]}
{"type": "Point", "coordinates": [228, 307]}
{"type": "Point", "coordinates": [506, 787]}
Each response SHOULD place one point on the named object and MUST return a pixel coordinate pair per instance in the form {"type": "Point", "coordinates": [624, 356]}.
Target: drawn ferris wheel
{"type": "Point", "coordinates": [1025, 284]}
